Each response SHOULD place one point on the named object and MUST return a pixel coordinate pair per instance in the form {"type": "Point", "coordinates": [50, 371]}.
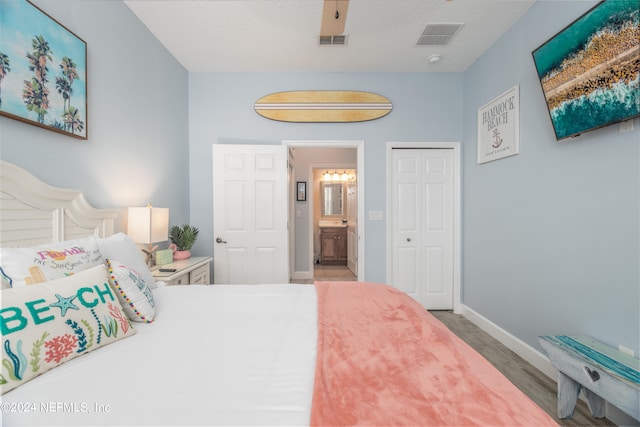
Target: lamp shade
{"type": "Point", "coordinates": [148, 224]}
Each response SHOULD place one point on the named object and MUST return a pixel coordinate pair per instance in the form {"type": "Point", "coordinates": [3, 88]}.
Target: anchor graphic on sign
{"type": "Point", "coordinates": [497, 140]}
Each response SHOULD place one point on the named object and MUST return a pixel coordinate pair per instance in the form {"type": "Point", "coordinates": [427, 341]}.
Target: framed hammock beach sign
{"type": "Point", "coordinates": [43, 70]}
{"type": "Point", "coordinates": [499, 127]}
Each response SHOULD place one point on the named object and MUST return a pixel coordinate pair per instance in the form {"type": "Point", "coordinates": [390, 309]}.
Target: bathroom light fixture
{"type": "Point", "coordinates": [345, 176]}
{"type": "Point", "coordinates": [336, 176]}
{"type": "Point", "coordinates": [435, 58]}
{"type": "Point", "coordinates": [327, 176]}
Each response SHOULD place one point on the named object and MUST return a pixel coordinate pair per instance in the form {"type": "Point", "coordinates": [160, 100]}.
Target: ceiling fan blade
{"type": "Point", "coordinates": [334, 16]}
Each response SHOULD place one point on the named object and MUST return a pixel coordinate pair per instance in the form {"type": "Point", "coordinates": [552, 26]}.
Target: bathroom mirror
{"type": "Point", "coordinates": [332, 200]}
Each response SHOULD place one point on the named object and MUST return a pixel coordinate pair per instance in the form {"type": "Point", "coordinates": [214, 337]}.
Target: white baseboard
{"type": "Point", "coordinates": [522, 349]}
{"type": "Point", "coordinates": [536, 358]}
{"type": "Point", "coordinates": [302, 275]}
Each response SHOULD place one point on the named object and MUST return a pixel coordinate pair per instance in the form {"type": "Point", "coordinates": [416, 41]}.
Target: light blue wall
{"type": "Point", "coordinates": [551, 236]}
{"type": "Point", "coordinates": [137, 149]}
{"type": "Point", "coordinates": [426, 107]}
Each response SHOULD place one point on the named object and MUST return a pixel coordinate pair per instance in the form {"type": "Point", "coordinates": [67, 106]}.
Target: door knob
{"type": "Point", "coordinates": [408, 239]}
{"type": "Point", "coordinates": [219, 240]}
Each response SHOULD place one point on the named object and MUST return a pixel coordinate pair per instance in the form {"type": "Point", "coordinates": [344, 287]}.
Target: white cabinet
{"type": "Point", "coordinates": [191, 271]}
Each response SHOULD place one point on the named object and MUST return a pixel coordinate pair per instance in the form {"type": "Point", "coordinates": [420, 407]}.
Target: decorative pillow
{"type": "Point", "coordinates": [39, 264]}
{"type": "Point", "coordinates": [121, 247]}
{"type": "Point", "coordinates": [134, 294]}
{"type": "Point", "coordinates": [45, 325]}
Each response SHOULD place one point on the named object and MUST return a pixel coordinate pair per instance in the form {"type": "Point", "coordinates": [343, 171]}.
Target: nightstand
{"type": "Point", "coordinates": [191, 271]}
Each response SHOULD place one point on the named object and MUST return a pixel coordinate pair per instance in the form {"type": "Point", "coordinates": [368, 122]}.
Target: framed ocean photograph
{"type": "Point", "coordinates": [43, 70]}
{"type": "Point", "coordinates": [589, 70]}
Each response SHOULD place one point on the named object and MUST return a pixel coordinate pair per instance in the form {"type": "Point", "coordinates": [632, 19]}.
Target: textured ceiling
{"type": "Point", "coordinates": [282, 35]}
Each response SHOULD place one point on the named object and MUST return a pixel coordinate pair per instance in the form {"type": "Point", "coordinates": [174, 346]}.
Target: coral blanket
{"type": "Point", "coordinates": [383, 360]}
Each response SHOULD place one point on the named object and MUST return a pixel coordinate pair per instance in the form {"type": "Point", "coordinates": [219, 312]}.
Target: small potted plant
{"type": "Point", "coordinates": [182, 240]}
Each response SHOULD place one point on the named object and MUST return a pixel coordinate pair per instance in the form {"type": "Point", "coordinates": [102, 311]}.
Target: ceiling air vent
{"type": "Point", "coordinates": [333, 40]}
{"type": "Point", "coordinates": [439, 34]}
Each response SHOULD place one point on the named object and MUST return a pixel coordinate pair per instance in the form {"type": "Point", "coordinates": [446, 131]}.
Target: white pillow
{"type": "Point", "coordinates": [134, 294]}
{"type": "Point", "coordinates": [39, 264]}
{"type": "Point", "coordinates": [47, 324]}
{"type": "Point", "coordinates": [121, 247]}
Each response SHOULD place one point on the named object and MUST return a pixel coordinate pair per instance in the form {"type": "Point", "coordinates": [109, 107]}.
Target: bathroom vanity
{"type": "Point", "coordinates": [333, 245]}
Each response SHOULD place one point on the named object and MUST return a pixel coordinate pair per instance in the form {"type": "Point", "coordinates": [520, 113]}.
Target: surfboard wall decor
{"type": "Point", "coordinates": [323, 106]}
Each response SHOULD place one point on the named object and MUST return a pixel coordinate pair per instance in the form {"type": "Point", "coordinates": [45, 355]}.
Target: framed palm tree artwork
{"type": "Point", "coordinates": [43, 70]}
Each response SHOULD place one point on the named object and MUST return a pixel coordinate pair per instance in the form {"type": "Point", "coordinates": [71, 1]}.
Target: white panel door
{"type": "Point", "coordinates": [250, 214]}
{"type": "Point", "coordinates": [352, 225]}
{"type": "Point", "coordinates": [422, 225]}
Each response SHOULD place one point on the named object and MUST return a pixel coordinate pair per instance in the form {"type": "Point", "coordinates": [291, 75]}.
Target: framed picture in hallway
{"type": "Point", "coordinates": [43, 70]}
{"type": "Point", "coordinates": [301, 193]}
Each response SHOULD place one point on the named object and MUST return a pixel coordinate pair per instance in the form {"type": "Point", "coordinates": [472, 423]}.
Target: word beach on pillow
{"type": "Point", "coordinates": [38, 264]}
{"type": "Point", "coordinates": [45, 325]}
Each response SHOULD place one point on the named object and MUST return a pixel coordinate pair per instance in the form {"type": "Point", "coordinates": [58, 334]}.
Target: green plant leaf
{"type": "Point", "coordinates": [184, 236]}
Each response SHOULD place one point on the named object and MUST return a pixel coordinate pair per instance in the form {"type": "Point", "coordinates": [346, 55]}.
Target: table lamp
{"type": "Point", "coordinates": [148, 225]}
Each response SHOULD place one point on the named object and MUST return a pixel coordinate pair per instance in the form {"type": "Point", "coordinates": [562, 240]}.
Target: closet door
{"type": "Point", "coordinates": [422, 225]}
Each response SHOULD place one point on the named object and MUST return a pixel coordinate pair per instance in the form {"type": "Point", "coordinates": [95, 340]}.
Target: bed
{"type": "Point", "coordinates": [332, 353]}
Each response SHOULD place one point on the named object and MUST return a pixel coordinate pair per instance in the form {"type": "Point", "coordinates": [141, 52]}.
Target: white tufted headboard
{"type": "Point", "coordinates": [33, 212]}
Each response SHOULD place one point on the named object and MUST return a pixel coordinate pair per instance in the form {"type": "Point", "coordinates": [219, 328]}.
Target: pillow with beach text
{"type": "Point", "coordinates": [39, 264]}
{"type": "Point", "coordinates": [48, 324]}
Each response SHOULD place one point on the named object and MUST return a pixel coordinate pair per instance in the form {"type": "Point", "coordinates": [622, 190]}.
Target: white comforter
{"type": "Point", "coordinates": [215, 355]}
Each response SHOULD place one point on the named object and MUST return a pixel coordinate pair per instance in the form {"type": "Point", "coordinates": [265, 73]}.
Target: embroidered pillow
{"type": "Point", "coordinates": [134, 294]}
{"type": "Point", "coordinates": [45, 325]}
{"type": "Point", "coordinates": [121, 247]}
{"type": "Point", "coordinates": [39, 264]}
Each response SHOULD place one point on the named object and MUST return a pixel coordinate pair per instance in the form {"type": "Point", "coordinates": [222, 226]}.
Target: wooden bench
{"type": "Point", "coordinates": [605, 373]}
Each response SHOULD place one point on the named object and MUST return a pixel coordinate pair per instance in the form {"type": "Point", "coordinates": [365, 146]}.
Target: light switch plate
{"type": "Point", "coordinates": [626, 350]}
{"type": "Point", "coordinates": [375, 216]}
{"type": "Point", "coordinates": [626, 126]}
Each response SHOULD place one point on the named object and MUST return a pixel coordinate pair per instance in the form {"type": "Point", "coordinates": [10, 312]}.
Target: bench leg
{"type": "Point", "coordinates": [596, 404]}
{"type": "Point", "coordinates": [568, 391]}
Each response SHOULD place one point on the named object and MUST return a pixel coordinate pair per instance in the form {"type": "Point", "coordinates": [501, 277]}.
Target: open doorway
{"type": "Point", "coordinates": [311, 160]}
{"type": "Point", "coordinates": [335, 220]}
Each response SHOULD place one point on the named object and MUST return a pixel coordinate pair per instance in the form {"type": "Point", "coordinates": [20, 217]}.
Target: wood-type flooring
{"type": "Point", "coordinates": [534, 383]}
